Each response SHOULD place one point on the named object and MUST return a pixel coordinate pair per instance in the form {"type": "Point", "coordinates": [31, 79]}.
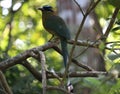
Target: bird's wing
{"type": "Point", "coordinates": [58, 26]}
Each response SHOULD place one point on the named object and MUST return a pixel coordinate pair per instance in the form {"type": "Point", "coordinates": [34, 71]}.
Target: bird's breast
{"type": "Point", "coordinates": [47, 23]}
{"type": "Point", "coordinates": [47, 27]}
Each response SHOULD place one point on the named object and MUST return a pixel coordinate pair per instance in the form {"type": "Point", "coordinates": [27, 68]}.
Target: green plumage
{"type": "Point", "coordinates": [64, 51]}
{"type": "Point", "coordinates": [56, 26]}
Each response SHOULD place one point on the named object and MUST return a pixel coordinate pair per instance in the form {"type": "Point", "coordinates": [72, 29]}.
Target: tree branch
{"type": "Point", "coordinates": [92, 6]}
{"type": "Point", "coordinates": [33, 71]}
{"type": "Point", "coordinates": [79, 7]}
{"type": "Point", "coordinates": [34, 53]}
{"type": "Point", "coordinates": [86, 43]}
{"type": "Point", "coordinates": [82, 65]}
{"type": "Point", "coordinates": [77, 35]}
{"type": "Point", "coordinates": [111, 23]}
{"type": "Point", "coordinates": [79, 74]}
{"type": "Point", "coordinates": [44, 81]}
{"type": "Point", "coordinates": [5, 84]}
{"type": "Point", "coordinates": [23, 56]}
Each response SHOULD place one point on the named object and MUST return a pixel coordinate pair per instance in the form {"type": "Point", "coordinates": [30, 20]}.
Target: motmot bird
{"type": "Point", "coordinates": [56, 26]}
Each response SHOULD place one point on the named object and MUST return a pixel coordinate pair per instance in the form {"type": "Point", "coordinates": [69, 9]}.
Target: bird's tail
{"type": "Point", "coordinates": [64, 51]}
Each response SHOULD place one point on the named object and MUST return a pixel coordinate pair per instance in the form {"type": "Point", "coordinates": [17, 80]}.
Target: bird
{"type": "Point", "coordinates": [57, 27]}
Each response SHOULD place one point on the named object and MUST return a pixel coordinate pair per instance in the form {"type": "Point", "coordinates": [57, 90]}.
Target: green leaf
{"type": "Point", "coordinates": [102, 46]}
{"type": "Point", "coordinates": [113, 56]}
{"type": "Point", "coordinates": [116, 28]}
{"type": "Point", "coordinates": [118, 22]}
{"type": "Point", "coordinates": [115, 3]}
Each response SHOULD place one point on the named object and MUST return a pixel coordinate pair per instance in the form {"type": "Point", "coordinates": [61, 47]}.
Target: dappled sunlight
{"type": "Point", "coordinates": [17, 6]}
{"type": "Point", "coordinates": [32, 64]}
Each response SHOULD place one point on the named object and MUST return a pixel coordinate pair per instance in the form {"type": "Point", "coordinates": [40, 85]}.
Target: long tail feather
{"type": "Point", "coordinates": [64, 51]}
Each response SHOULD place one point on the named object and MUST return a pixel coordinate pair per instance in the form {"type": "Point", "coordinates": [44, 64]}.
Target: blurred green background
{"type": "Point", "coordinates": [21, 29]}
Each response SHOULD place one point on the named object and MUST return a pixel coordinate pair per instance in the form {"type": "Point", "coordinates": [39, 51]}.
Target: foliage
{"type": "Point", "coordinates": [21, 29]}
{"type": "Point", "coordinates": [114, 3]}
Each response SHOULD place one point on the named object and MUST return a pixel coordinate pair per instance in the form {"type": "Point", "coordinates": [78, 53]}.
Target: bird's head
{"type": "Point", "coordinates": [46, 8]}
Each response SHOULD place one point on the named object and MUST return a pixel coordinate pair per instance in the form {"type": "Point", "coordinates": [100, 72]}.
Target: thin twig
{"type": "Point", "coordinates": [80, 74]}
{"type": "Point", "coordinates": [33, 71]}
{"type": "Point", "coordinates": [112, 49]}
{"type": "Point", "coordinates": [92, 6]}
{"type": "Point", "coordinates": [88, 47]}
{"type": "Point", "coordinates": [86, 67]}
{"type": "Point", "coordinates": [82, 65]}
{"type": "Point", "coordinates": [85, 43]}
{"type": "Point", "coordinates": [79, 7]}
{"type": "Point", "coordinates": [5, 84]}
{"type": "Point", "coordinates": [76, 38]}
{"type": "Point", "coordinates": [54, 74]}
{"type": "Point", "coordinates": [74, 45]}
{"type": "Point", "coordinates": [112, 42]}
{"type": "Point", "coordinates": [111, 23]}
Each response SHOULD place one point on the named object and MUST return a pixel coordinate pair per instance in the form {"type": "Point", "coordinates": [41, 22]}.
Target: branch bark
{"type": "Point", "coordinates": [116, 11]}
{"type": "Point", "coordinates": [4, 84]}
{"type": "Point", "coordinates": [34, 53]}
{"type": "Point", "coordinates": [44, 81]}
{"type": "Point", "coordinates": [33, 71]}
{"type": "Point", "coordinates": [23, 56]}
{"type": "Point", "coordinates": [79, 74]}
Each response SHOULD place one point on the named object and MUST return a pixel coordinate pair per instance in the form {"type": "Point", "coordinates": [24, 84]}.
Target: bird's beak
{"type": "Point", "coordinates": [40, 8]}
